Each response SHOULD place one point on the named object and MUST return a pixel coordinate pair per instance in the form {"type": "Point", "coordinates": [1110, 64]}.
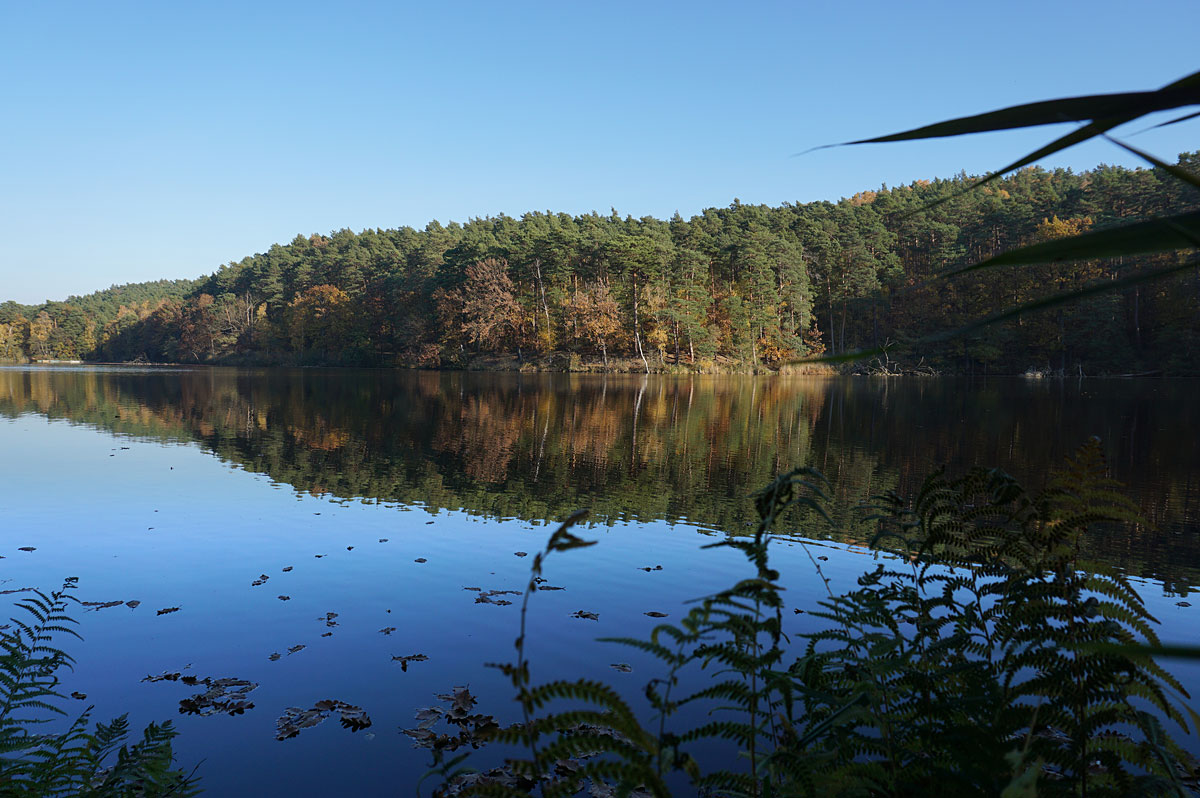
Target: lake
{"type": "Point", "coordinates": [365, 501]}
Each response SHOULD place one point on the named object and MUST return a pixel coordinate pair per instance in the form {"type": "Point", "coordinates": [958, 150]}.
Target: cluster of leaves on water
{"type": "Point", "coordinates": [95, 761]}
{"type": "Point", "coordinates": [223, 696]}
{"type": "Point", "coordinates": [982, 655]}
{"type": "Point", "coordinates": [295, 719]}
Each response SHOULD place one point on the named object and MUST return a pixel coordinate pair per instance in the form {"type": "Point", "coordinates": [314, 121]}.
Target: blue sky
{"type": "Point", "coordinates": [148, 140]}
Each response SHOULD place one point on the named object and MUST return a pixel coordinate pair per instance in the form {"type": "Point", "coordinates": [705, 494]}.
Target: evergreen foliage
{"type": "Point", "coordinates": [982, 656]}
{"type": "Point", "coordinates": [741, 287]}
{"type": "Point", "coordinates": [96, 762]}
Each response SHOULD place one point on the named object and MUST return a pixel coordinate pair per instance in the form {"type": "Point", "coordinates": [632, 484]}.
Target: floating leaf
{"type": "Point", "coordinates": [318, 556]}
{"type": "Point", "coordinates": [295, 648]}
{"type": "Point", "coordinates": [327, 634]}
{"type": "Point", "coordinates": [647, 568]}
{"type": "Point", "coordinates": [78, 696]}
{"type": "Point", "coordinates": [27, 548]}
{"type": "Point", "coordinates": [349, 548]}
{"type": "Point", "coordinates": [584, 615]}
{"type": "Point", "coordinates": [168, 610]}
{"type": "Point", "coordinates": [100, 605]}
{"type": "Point", "coordinates": [273, 656]}
{"type": "Point", "coordinates": [387, 630]}
{"type": "Point", "coordinates": [521, 553]}
{"type": "Point", "coordinates": [420, 559]}
{"type": "Point", "coordinates": [284, 598]}
{"type": "Point", "coordinates": [383, 540]}
{"type": "Point", "coordinates": [1182, 604]}
{"type": "Point", "coordinates": [550, 587]}
{"type": "Point", "coordinates": [133, 605]}
{"type": "Point", "coordinates": [410, 658]}
{"type": "Point", "coordinates": [656, 614]}
{"type": "Point", "coordinates": [166, 676]}
{"type": "Point", "coordinates": [622, 667]}
{"type": "Point", "coordinates": [287, 568]}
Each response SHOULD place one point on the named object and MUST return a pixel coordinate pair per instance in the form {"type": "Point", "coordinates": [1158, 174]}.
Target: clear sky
{"type": "Point", "coordinates": [160, 139]}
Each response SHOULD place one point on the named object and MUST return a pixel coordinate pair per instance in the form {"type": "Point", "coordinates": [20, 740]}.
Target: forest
{"type": "Point", "coordinates": [742, 288]}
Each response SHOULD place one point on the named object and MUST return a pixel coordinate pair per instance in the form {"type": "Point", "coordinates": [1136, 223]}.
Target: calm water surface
{"type": "Point", "coordinates": [179, 488]}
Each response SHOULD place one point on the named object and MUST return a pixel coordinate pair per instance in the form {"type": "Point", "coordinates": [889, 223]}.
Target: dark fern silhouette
{"type": "Point", "coordinates": [982, 656]}
{"type": "Point", "coordinates": [83, 760]}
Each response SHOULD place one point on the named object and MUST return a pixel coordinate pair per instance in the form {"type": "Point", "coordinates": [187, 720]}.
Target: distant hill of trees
{"type": "Point", "coordinates": [748, 286]}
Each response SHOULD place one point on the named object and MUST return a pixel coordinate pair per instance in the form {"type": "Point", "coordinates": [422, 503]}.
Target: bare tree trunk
{"type": "Point", "coordinates": [637, 336]}
{"type": "Point", "coordinates": [537, 267]}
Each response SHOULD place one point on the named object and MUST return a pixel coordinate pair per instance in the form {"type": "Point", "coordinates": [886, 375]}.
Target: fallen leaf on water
{"type": "Point", "coordinates": [521, 553]}
{"type": "Point", "coordinates": [78, 695]}
{"type": "Point", "coordinates": [349, 548]}
{"type": "Point", "coordinates": [472, 588]}
{"type": "Point", "coordinates": [420, 559]}
{"type": "Point", "coordinates": [656, 614]}
{"type": "Point", "coordinates": [427, 523]}
{"type": "Point", "coordinates": [273, 656]}
{"type": "Point", "coordinates": [550, 587]}
{"type": "Point", "coordinates": [167, 610]}
{"type": "Point", "coordinates": [647, 568]}
{"type": "Point", "coordinates": [100, 605]}
{"type": "Point", "coordinates": [327, 634]}
{"type": "Point", "coordinates": [387, 630]}
{"type": "Point", "coordinates": [410, 658]}
{"type": "Point", "coordinates": [284, 598]}
{"type": "Point", "coordinates": [133, 605]}
{"type": "Point", "coordinates": [798, 611]}
{"type": "Point", "coordinates": [622, 667]}
{"type": "Point", "coordinates": [318, 556]}
{"type": "Point", "coordinates": [169, 676]}
{"type": "Point", "coordinates": [822, 557]}
{"type": "Point", "coordinates": [584, 615]}
{"type": "Point", "coordinates": [295, 648]}
{"type": "Point", "coordinates": [287, 568]}
{"type": "Point", "coordinates": [1182, 604]}
{"type": "Point", "coordinates": [27, 548]}
{"type": "Point", "coordinates": [383, 540]}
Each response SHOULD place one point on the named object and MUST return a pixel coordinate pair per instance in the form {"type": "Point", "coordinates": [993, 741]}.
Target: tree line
{"type": "Point", "coordinates": [737, 288]}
